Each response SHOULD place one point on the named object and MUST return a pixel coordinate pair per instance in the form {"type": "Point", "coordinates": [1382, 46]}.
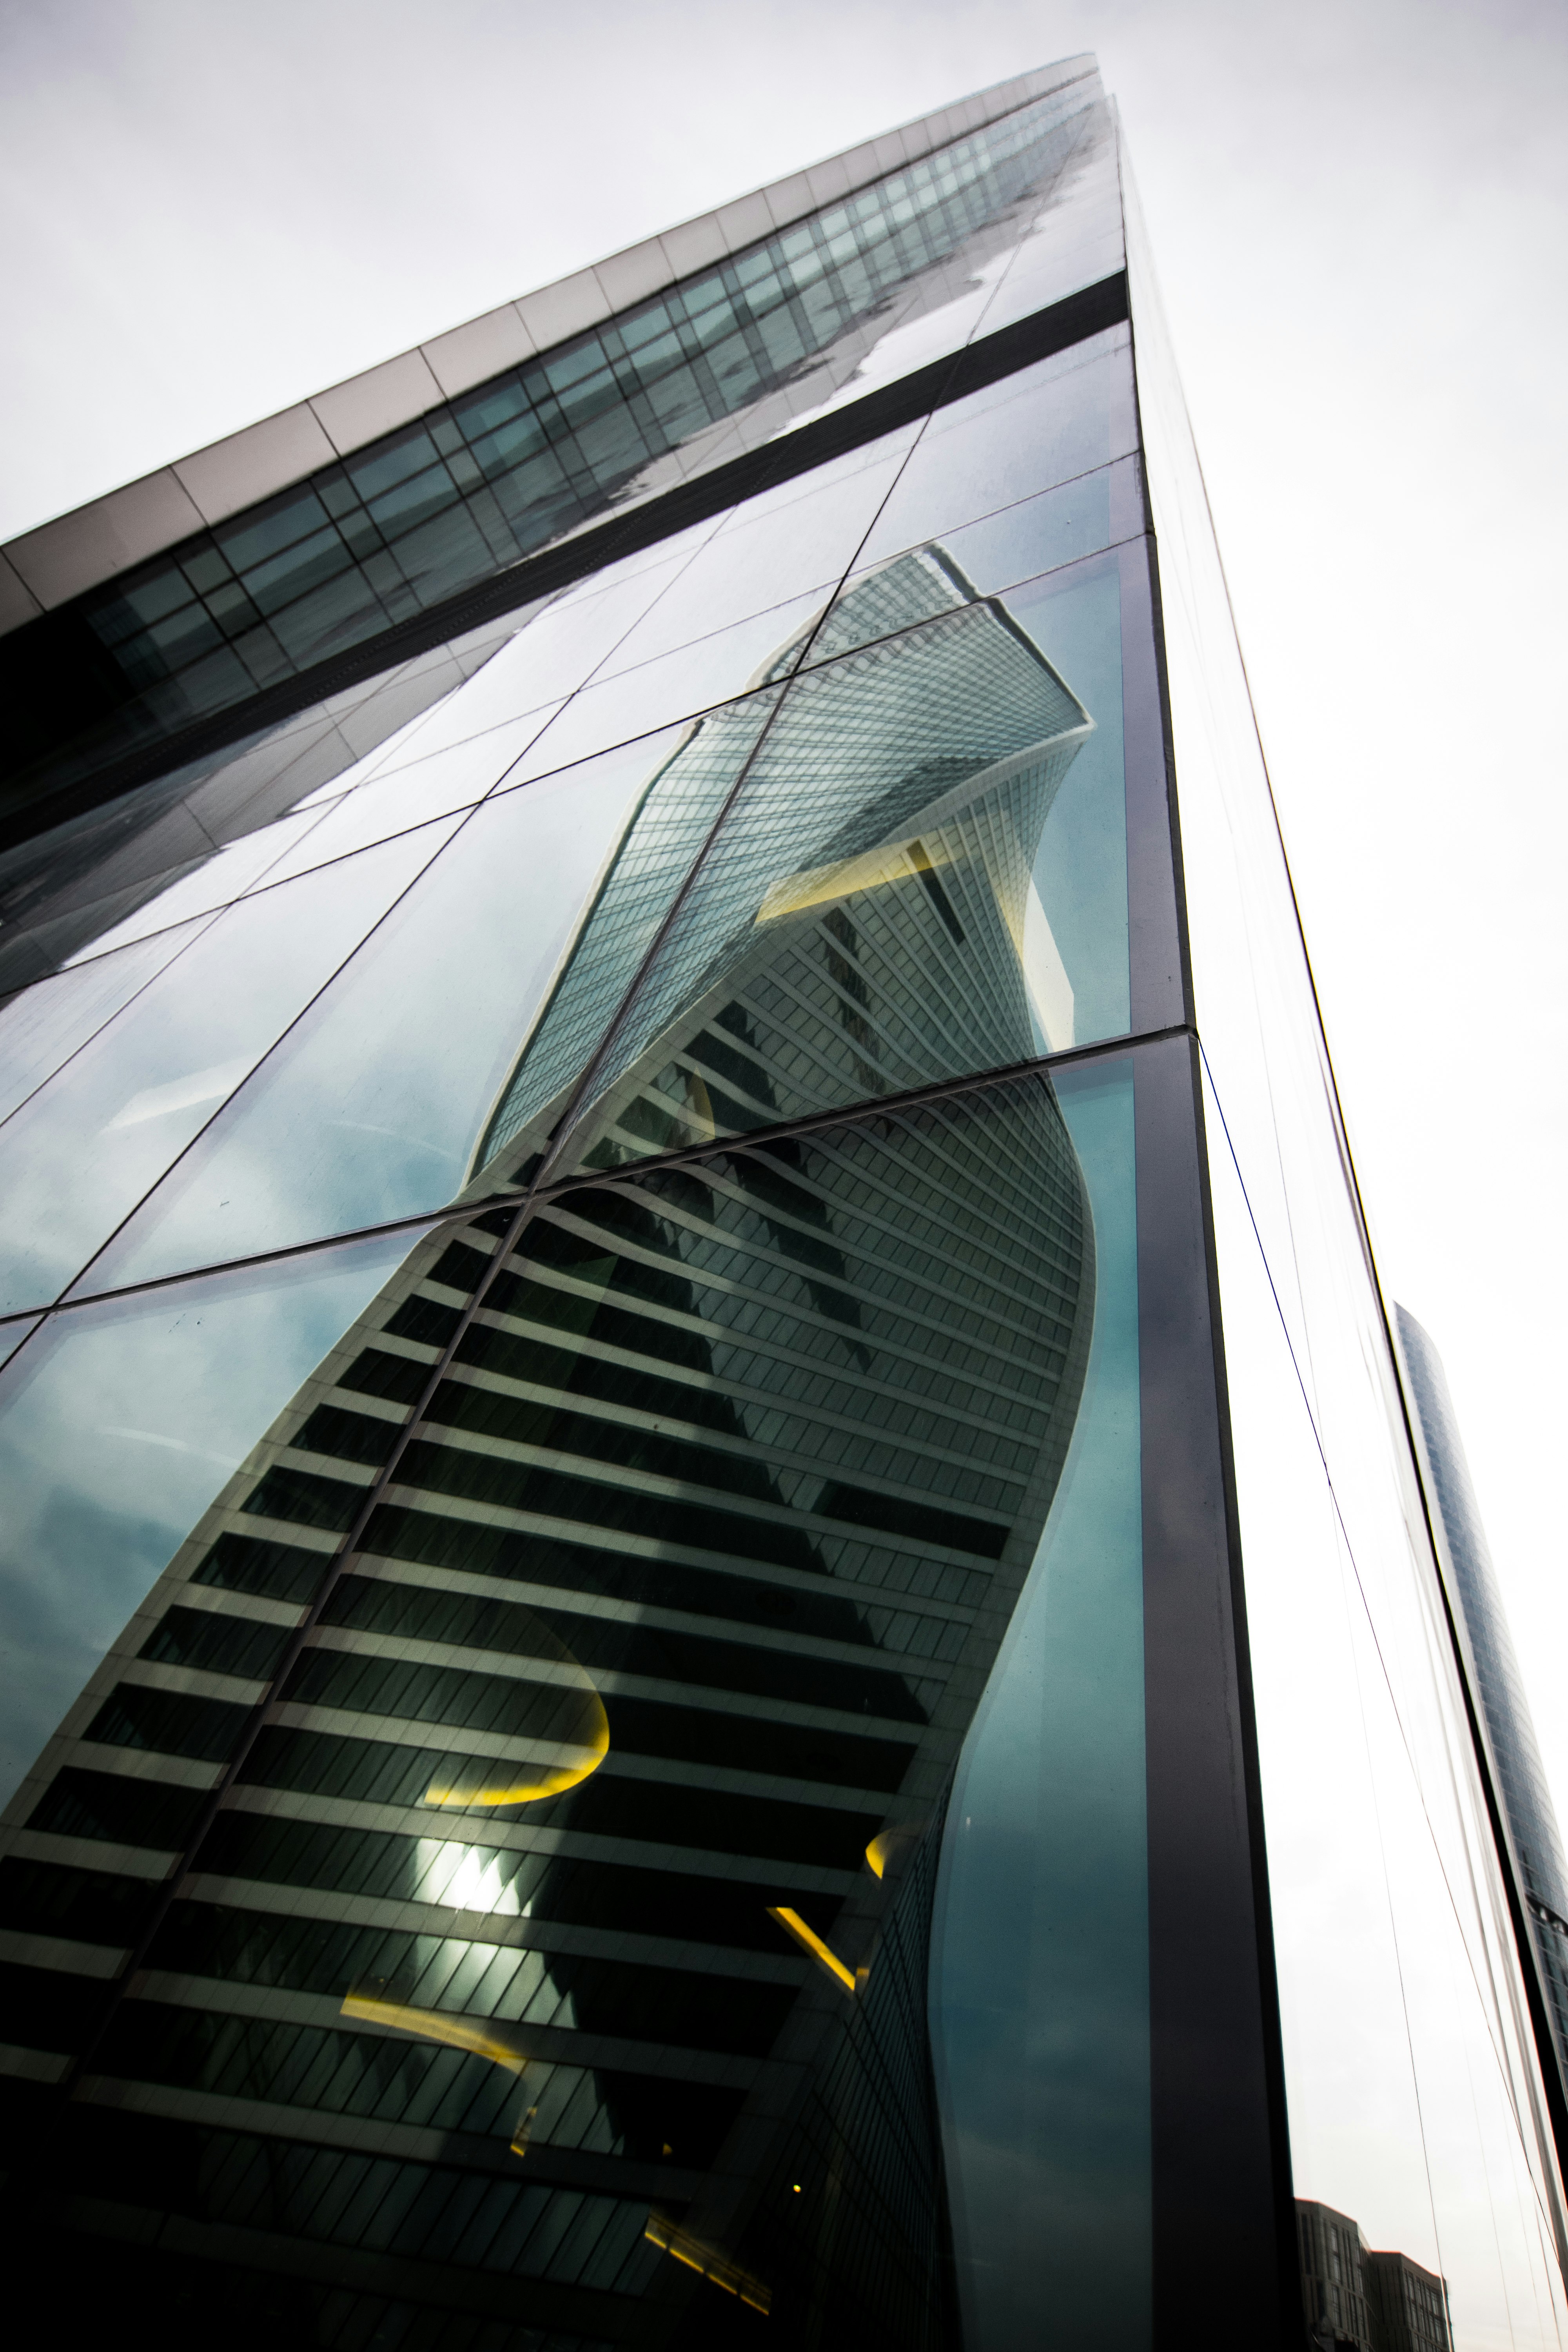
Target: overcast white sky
{"type": "Point", "coordinates": [210, 209]}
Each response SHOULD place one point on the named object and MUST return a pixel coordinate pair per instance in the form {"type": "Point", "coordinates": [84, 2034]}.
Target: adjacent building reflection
{"type": "Point", "coordinates": [869, 919]}
{"type": "Point", "coordinates": [1357, 2300]}
{"type": "Point", "coordinates": [686, 1521]}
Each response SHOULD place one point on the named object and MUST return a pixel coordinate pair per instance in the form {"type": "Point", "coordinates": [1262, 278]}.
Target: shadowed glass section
{"type": "Point", "coordinates": [688, 1553]}
{"type": "Point", "coordinates": [865, 920]}
{"type": "Point", "coordinates": [648, 400]}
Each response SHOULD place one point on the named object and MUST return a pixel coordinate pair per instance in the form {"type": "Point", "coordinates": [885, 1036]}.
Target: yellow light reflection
{"type": "Point", "coordinates": [887, 1846]}
{"type": "Point", "coordinates": [485, 2037]}
{"type": "Point", "coordinates": [873, 870]}
{"type": "Point", "coordinates": [794, 1925]}
{"type": "Point", "coordinates": [671, 2240]}
{"type": "Point", "coordinates": [523, 1784]}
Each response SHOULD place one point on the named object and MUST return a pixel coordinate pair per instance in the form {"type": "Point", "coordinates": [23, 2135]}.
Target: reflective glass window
{"type": "Point", "coordinates": [892, 821]}
{"type": "Point", "coordinates": [82, 1151]}
{"type": "Point", "coordinates": [118, 1425]}
{"type": "Point", "coordinates": [1041, 1977]}
{"type": "Point", "coordinates": [371, 1108]}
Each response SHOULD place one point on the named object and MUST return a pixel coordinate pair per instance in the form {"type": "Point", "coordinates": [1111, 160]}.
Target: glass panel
{"type": "Point", "coordinates": [613, 1763]}
{"type": "Point", "coordinates": [1518, 1770]}
{"type": "Point", "coordinates": [118, 1425]}
{"type": "Point", "coordinates": [797, 540]}
{"type": "Point", "coordinates": [558, 647]}
{"type": "Point", "coordinates": [1076, 238]}
{"type": "Point", "coordinates": [81, 1154]}
{"type": "Point", "coordinates": [1407, 2051]}
{"type": "Point", "coordinates": [46, 1024]}
{"type": "Point", "coordinates": [1417, 2110]}
{"type": "Point", "coordinates": [400, 798]}
{"type": "Point", "coordinates": [679, 685]}
{"type": "Point", "coordinates": [370, 1109]}
{"type": "Point", "coordinates": [1042, 533]}
{"type": "Point", "coordinates": [1040, 1973]}
{"type": "Point", "coordinates": [81, 889]}
{"type": "Point", "coordinates": [247, 864]}
{"type": "Point", "coordinates": [887, 829]}
{"type": "Point", "coordinates": [1055, 422]}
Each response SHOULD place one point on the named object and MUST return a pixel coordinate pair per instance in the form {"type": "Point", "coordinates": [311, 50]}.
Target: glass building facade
{"type": "Point", "coordinates": [728, 1616]}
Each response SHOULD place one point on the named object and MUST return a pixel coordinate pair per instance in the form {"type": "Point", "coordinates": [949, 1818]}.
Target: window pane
{"type": "Point", "coordinates": [81, 1154]}
{"type": "Point", "coordinates": [370, 1109]}
{"type": "Point", "coordinates": [1041, 1977]}
{"type": "Point", "coordinates": [889, 827]}
{"type": "Point", "coordinates": [118, 1425]}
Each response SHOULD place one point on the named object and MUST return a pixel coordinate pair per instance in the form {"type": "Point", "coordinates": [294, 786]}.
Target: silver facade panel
{"type": "Point", "coordinates": [483, 348]}
{"type": "Point", "coordinates": [60, 559]}
{"type": "Point", "coordinates": [377, 402]}
{"type": "Point", "coordinates": [18, 601]}
{"type": "Point", "coordinates": [632, 276]}
{"type": "Point", "coordinates": [231, 474]}
{"type": "Point", "coordinates": [570, 306]}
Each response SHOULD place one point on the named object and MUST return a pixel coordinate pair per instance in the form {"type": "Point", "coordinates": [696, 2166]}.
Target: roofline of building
{"type": "Point", "coordinates": [48, 566]}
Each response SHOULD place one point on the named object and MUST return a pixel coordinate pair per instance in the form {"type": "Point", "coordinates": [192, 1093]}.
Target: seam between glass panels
{"type": "Point", "coordinates": [1497, 2056]}
{"type": "Point", "coordinates": [755, 1139]}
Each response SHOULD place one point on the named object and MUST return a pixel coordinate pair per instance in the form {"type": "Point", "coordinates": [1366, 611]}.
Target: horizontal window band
{"type": "Point", "coordinates": [107, 2148]}
{"type": "Point", "coordinates": [738, 2016]}
{"type": "Point", "coordinates": [120, 1810]}
{"type": "Point", "coordinates": [302, 2125]}
{"type": "Point", "coordinates": [1074, 320]}
{"type": "Point", "coordinates": [578, 1575]}
{"type": "Point", "coordinates": [787, 1607]}
{"type": "Point", "coordinates": [92, 1907]}
{"type": "Point", "coordinates": [555, 1440]}
{"type": "Point", "coordinates": [409, 1611]}
{"type": "Point", "coordinates": [233, 2071]}
{"type": "Point", "coordinates": [750, 1829]}
{"type": "Point", "coordinates": [560, 1888]}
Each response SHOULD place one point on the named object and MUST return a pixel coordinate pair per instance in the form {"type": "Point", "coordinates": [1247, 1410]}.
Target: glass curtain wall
{"type": "Point", "coordinates": [1421, 2098]}
{"type": "Point", "coordinates": [627, 1714]}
